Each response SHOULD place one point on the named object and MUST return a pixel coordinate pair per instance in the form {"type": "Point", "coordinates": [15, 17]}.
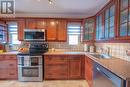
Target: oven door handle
{"type": "Point", "coordinates": [29, 66]}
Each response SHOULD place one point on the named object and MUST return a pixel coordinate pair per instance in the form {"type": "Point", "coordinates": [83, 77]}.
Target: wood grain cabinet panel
{"type": "Point", "coordinates": [30, 24]}
{"type": "Point", "coordinates": [59, 71]}
{"type": "Point", "coordinates": [76, 67]}
{"type": "Point", "coordinates": [89, 71]}
{"type": "Point", "coordinates": [41, 24]}
{"type": "Point", "coordinates": [8, 67]}
{"type": "Point", "coordinates": [63, 67]}
{"type": "Point", "coordinates": [21, 27]}
{"type": "Point", "coordinates": [51, 29]}
{"type": "Point", "coordinates": [62, 30]}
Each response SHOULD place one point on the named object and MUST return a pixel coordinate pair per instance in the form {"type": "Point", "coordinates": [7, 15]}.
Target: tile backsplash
{"type": "Point", "coordinates": [116, 49]}
{"type": "Point", "coordinates": [65, 46]}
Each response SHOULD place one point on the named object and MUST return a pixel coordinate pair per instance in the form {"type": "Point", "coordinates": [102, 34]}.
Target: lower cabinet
{"type": "Point", "coordinates": [89, 71]}
{"type": "Point", "coordinates": [8, 67]}
{"type": "Point", "coordinates": [63, 67]}
{"type": "Point", "coordinates": [76, 67]}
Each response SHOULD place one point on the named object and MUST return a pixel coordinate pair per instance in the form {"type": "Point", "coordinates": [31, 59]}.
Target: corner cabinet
{"type": "Point", "coordinates": [89, 30]}
{"type": "Point", "coordinates": [105, 23]}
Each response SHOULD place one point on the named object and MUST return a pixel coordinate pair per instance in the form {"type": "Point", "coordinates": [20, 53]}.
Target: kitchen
{"type": "Point", "coordinates": [61, 43]}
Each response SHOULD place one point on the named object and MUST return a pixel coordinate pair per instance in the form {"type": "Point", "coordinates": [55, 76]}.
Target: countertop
{"type": "Point", "coordinates": [64, 53]}
{"type": "Point", "coordinates": [10, 53]}
{"type": "Point", "coordinates": [116, 65]}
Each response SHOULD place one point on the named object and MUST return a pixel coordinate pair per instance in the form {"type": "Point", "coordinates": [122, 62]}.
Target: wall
{"type": "Point", "coordinates": [116, 49]}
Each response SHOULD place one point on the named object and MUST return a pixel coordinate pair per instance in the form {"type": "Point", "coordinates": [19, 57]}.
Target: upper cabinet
{"type": "Point", "coordinates": [124, 25]}
{"type": "Point", "coordinates": [56, 29]}
{"type": "Point", "coordinates": [35, 23]}
{"type": "Point", "coordinates": [89, 29]}
{"type": "Point", "coordinates": [3, 32]}
{"type": "Point", "coordinates": [21, 27]}
{"type": "Point", "coordinates": [62, 30]}
{"type": "Point", "coordinates": [105, 23]}
{"type": "Point", "coordinates": [51, 29]}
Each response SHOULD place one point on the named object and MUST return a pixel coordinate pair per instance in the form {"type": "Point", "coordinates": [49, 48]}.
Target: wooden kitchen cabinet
{"type": "Point", "coordinates": [8, 67]}
{"type": "Point", "coordinates": [75, 67]}
{"type": "Point", "coordinates": [3, 32]}
{"type": "Point", "coordinates": [89, 30]}
{"type": "Point", "coordinates": [35, 24]}
{"type": "Point", "coordinates": [106, 23]}
{"type": "Point", "coordinates": [41, 24]}
{"type": "Point", "coordinates": [51, 30]}
{"type": "Point", "coordinates": [63, 67]}
{"type": "Point", "coordinates": [89, 71]}
{"type": "Point", "coordinates": [56, 67]}
{"type": "Point", "coordinates": [21, 27]}
{"type": "Point", "coordinates": [62, 30]}
{"type": "Point", "coordinates": [30, 24]}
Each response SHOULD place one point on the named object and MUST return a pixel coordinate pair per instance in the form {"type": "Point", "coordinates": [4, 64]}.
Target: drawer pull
{"type": "Point", "coordinates": [11, 64]}
{"type": "Point", "coordinates": [11, 74]}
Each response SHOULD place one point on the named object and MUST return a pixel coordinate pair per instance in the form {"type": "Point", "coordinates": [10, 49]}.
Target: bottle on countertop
{"type": "Point", "coordinates": [92, 49]}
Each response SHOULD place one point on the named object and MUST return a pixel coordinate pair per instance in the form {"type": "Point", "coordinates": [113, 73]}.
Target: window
{"type": "Point", "coordinates": [74, 33]}
{"type": "Point", "coordinates": [13, 33]}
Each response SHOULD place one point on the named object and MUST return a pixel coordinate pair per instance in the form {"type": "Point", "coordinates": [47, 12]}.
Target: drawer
{"type": "Point", "coordinates": [3, 73]}
{"type": "Point", "coordinates": [2, 57]}
{"type": "Point", "coordinates": [55, 59]}
{"type": "Point", "coordinates": [12, 73]}
{"type": "Point", "coordinates": [8, 64]}
{"type": "Point", "coordinates": [10, 57]}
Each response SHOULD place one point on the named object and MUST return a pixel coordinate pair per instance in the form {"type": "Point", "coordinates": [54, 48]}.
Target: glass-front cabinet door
{"type": "Point", "coordinates": [3, 33]}
{"type": "Point", "coordinates": [89, 29]}
{"type": "Point", "coordinates": [105, 23]}
{"type": "Point", "coordinates": [124, 30]}
{"type": "Point", "coordinates": [99, 28]}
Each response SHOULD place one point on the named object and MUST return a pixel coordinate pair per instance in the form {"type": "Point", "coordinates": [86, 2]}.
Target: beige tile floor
{"type": "Point", "coordinates": [54, 83]}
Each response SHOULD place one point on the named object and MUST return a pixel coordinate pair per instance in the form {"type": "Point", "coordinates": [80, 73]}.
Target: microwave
{"type": "Point", "coordinates": [34, 35]}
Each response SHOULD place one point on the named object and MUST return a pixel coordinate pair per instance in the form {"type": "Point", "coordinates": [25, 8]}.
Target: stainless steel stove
{"type": "Point", "coordinates": [30, 65]}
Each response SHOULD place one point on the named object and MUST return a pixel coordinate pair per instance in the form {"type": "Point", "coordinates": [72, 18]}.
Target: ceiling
{"type": "Point", "coordinates": [59, 8]}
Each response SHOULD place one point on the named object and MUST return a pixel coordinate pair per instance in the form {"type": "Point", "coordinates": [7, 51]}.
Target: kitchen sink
{"type": "Point", "coordinates": [102, 56]}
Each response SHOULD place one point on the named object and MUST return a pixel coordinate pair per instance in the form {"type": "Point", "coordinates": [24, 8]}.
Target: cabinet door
{"type": "Point", "coordinates": [62, 30]}
{"type": "Point", "coordinates": [21, 27]}
{"type": "Point", "coordinates": [57, 71]}
{"type": "Point", "coordinates": [75, 70]}
{"type": "Point", "coordinates": [41, 24]}
{"type": "Point", "coordinates": [51, 29]}
{"type": "Point", "coordinates": [88, 71]}
{"type": "Point", "coordinates": [30, 24]}
{"type": "Point", "coordinates": [3, 32]}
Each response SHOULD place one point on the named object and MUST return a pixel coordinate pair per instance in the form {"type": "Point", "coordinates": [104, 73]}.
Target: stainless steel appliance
{"type": "Point", "coordinates": [30, 68]}
{"type": "Point", "coordinates": [104, 78]}
{"type": "Point", "coordinates": [30, 65]}
{"type": "Point", "coordinates": [34, 35]}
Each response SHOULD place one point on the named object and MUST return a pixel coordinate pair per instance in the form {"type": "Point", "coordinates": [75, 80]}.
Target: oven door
{"type": "Point", "coordinates": [32, 73]}
{"type": "Point", "coordinates": [30, 60]}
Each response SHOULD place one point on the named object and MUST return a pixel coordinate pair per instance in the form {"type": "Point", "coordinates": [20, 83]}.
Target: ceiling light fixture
{"type": "Point", "coordinates": [50, 2]}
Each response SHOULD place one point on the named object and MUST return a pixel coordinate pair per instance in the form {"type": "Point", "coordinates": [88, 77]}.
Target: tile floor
{"type": "Point", "coordinates": [50, 83]}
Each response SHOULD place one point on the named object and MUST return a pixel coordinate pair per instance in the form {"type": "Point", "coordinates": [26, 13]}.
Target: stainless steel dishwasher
{"type": "Point", "coordinates": [104, 78]}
